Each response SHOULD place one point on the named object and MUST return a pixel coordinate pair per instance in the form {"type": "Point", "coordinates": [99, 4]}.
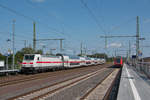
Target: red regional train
{"type": "Point", "coordinates": [118, 61]}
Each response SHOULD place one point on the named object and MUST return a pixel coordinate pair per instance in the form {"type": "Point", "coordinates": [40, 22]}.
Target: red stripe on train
{"type": "Point", "coordinates": [49, 62]}
{"type": "Point", "coordinates": [59, 62]}
{"type": "Point", "coordinates": [27, 63]}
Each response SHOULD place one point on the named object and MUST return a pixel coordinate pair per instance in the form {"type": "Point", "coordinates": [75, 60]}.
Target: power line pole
{"type": "Point", "coordinates": [123, 36]}
{"type": "Point", "coordinates": [137, 37]}
{"type": "Point", "coordinates": [127, 55]}
{"type": "Point", "coordinates": [13, 26]}
{"type": "Point", "coordinates": [116, 36]}
{"type": "Point", "coordinates": [61, 49]}
{"type": "Point", "coordinates": [81, 48]}
{"type": "Point", "coordinates": [129, 51]}
{"type": "Point", "coordinates": [51, 51]}
{"type": "Point", "coordinates": [106, 47]}
{"type": "Point", "coordinates": [34, 37]}
{"type": "Point", "coordinates": [106, 42]}
{"type": "Point", "coordinates": [25, 43]}
{"type": "Point", "coordinates": [61, 39]}
{"type": "Point", "coordinates": [8, 53]}
{"type": "Point", "coordinates": [116, 52]}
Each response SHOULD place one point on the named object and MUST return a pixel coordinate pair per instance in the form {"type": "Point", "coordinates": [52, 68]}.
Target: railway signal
{"type": "Point", "coordinates": [13, 63]}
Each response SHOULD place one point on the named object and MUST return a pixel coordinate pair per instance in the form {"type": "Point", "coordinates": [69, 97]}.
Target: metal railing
{"type": "Point", "coordinates": [142, 67]}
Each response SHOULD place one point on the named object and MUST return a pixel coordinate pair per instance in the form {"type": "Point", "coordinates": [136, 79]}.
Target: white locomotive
{"type": "Point", "coordinates": [38, 63]}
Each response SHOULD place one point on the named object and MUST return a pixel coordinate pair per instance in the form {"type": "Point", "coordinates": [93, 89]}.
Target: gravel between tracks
{"type": "Point", "coordinates": [102, 89]}
{"type": "Point", "coordinates": [58, 86]}
{"type": "Point", "coordinates": [77, 91]}
{"type": "Point", "coordinates": [18, 89]}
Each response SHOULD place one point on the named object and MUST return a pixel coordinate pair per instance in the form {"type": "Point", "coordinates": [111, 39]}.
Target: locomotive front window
{"type": "Point", "coordinates": [118, 60]}
{"type": "Point", "coordinates": [29, 57]}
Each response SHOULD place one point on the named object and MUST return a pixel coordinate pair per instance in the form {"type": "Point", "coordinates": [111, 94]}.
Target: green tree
{"type": "Point", "coordinates": [39, 52]}
{"type": "Point", "coordinates": [19, 57]}
{"type": "Point", "coordinates": [2, 57]}
{"type": "Point", "coordinates": [27, 50]}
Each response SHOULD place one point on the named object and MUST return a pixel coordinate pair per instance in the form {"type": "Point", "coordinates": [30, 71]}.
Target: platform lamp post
{"type": "Point", "coordinates": [7, 55]}
{"type": "Point", "coordinates": [43, 47]}
{"type": "Point", "coordinates": [51, 51]}
{"type": "Point", "coordinates": [142, 39]}
{"type": "Point", "coordinates": [13, 42]}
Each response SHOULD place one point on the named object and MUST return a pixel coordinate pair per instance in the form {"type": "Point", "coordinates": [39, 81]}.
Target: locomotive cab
{"type": "Point", "coordinates": [29, 61]}
{"type": "Point", "coordinates": [118, 62]}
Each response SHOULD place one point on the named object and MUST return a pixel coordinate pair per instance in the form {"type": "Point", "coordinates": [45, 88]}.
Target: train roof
{"type": "Point", "coordinates": [32, 54]}
{"type": "Point", "coordinates": [52, 56]}
{"type": "Point", "coordinates": [70, 56]}
{"type": "Point", "coordinates": [87, 58]}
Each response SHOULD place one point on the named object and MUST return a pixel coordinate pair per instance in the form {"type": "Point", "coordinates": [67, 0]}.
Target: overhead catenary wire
{"type": "Point", "coordinates": [53, 15]}
{"type": "Point", "coordinates": [43, 10]}
{"type": "Point", "coordinates": [15, 12]}
{"type": "Point", "coordinates": [121, 24]}
{"type": "Point", "coordinates": [53, 29]}
{"type": "Point", "coordinates": [62, 24]}
{"type": "Point", "coordinates": [18, 35]}
{"type": "Point", "coordinates": [93, 16]}
{"type": "Point", "coordinates": [29, 18]}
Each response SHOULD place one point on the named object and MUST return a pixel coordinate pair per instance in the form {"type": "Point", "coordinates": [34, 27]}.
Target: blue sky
{"type": "Point", "coordinates": [71, 20]}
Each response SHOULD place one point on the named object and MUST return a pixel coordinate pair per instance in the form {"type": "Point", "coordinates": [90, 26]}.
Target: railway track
{"type": "Point", "coordinates": [49, 91]}
{"type": "Point", "coordinates": [90, 91]}
{"type": "Point", "coordinates": [102, 90]}
{"type": "Point", "coordinates": [25, 78]}
{"type": "Point", "coordinates": [22, 79]}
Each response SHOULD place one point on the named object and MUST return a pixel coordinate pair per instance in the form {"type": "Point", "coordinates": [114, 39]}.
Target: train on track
{"type": "Point", "coordinates": [118, 61]}
{"type": "Point", "coordinates": [34, 63]}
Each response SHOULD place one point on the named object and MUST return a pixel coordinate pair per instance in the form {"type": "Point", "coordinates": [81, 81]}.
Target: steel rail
{"type": "Point", "coordinates": [91, 90]}
{"type": "Point", "coordinates": [40, 96]}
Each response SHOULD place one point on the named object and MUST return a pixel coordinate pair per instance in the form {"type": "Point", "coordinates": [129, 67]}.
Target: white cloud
{"type": "Point", "coordinates": [42, 44]}
{"type": "Point", "coordinates": [115, 45]}
{"type": "Point", "coordinates": [39, 1]}
{"type": "Point", "coordinates": [133, 46]}
{"type": "Point", "coordinates": [147, 21]}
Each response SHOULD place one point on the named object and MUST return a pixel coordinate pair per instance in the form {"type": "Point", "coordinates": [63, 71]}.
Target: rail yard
{"type": "Point", "coordinates": [69, 84]}
{"type": "Point", "coordinates": [74, 50]}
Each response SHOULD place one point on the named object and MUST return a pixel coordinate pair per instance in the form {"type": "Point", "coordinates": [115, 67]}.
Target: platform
{"type": "Point", "coordinates": [9, 71]}
{"type": "Point", "coordinates": [133, 85]}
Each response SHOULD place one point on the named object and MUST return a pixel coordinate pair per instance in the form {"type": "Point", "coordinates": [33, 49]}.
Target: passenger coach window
{"type": "Point", "coordinates": [29, 57]}
{"type": "Point", "coordinates": [38, 58]}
